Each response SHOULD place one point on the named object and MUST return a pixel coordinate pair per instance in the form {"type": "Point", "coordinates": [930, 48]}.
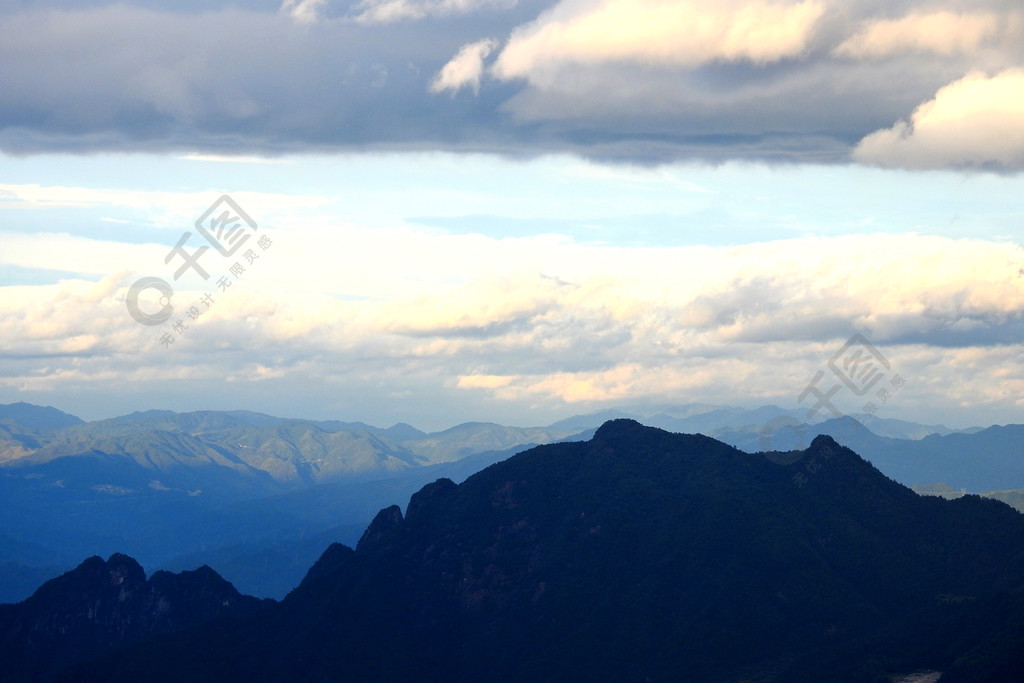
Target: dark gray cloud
{"type": "Point", "coordinates": [217, 77]}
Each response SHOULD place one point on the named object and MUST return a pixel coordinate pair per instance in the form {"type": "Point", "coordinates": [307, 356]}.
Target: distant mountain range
{"type": "Point", "coordinates": [257, 496]}
{"type": "Point", "coordinates": [638, 555]}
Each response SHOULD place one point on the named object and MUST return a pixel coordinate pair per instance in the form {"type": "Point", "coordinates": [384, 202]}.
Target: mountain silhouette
{"type": "Point", "coordinates": [639, 555]}
{"type": "Point", "coordinates": [104, 605]}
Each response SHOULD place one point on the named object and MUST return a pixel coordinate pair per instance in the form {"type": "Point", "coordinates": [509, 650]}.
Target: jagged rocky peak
{"type": "Point", "coordinates": [824, 442]}
{"type": "Point", "coordinates": [682, 557]}
{"type": "Point", "coordinates": [387, 519]}
{"type": "Point", "coordinates": [95, 577]}
{"type": "Point", "coordinates": [103, 605]}
{"type": "Point", "coordinates": [333, 558]}
{"type": "Point", "coordinates": [430, 496]}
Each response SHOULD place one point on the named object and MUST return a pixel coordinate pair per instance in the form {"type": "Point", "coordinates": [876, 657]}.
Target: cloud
{"type": "Point", "coordinates": [674, 33]}
{"type": "Point", "coordinates": [303, 11]}
{"type": "Point", "coordinates": [977, 121]}
{"type": "Point", "coordinates": [71, 254]}
{"type": "Point", "coordinates": [231, 159]}
{"type": "Point", "coordinates": [464, 69]}
{"type": "Point", "coordinates": [556, 325]}
{"type": "Point", "coordinates": [482, 381]}
{"type": "Point", "coordinates": [222, 82]}
{"type": "Point", "coordinates": [639, 82]}
{"type": "Point", "coordinates": [174, 212]}
{"type": "Point", "coordinates": [388, 11]}
{"type": "Point", "coordinates": [943, 33]}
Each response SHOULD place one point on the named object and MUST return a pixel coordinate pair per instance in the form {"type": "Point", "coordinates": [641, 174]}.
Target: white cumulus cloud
{"type": "Point", "coordinates": [464, 69]}
{"type": "Point", "coordinates": [944, 33]}
{"type": "Point", "coordinates": [303, 11]}
{"type": "Point", "coordinates": [677, 33]}
{"type": "Point", "coordinates": [977, 121]}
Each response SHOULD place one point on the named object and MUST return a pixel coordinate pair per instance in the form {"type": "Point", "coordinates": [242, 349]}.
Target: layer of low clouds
{"type": "Point", "coordinates": [638, 81]}
{"type": "Point", "coordinates": [520, 329]}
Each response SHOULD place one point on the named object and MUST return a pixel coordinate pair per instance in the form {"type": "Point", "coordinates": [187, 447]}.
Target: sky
{"type": "Point", "coordinates": [439, 211]}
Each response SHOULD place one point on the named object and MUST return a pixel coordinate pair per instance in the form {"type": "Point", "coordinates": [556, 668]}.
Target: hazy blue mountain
{"type": "Point", "coordinates": [24, 566]}
{"type": "Point", "coordinates": [28, 418]}
{"type": "Point", "coordinates": [294, 453]}
{"type": "Point", "coordinates": [272, 565]}
{"type": "Point", "coordinates": [591, 421]}
{"type": "Point", "coordinates": [1014, 498]}
{"type": "Point", "coordinates": [986, 460]}
{"type": "Point", "coordinates": [27, 552]}
{"type": "Point", "coordinates": [398, 432]}
{"type": "Point", "coordinates": [712, 421]}
{"type": "Point", "coordinates": [691, 418]}
{"type": "Point", "coordinates": [18, 580]}
{"type": "Point", "coordinates": [23, 426]}
{"type": "Point", "coordinates": [989, 459]}
{"type": "Point", "coordinates": [786, 432]}
{"type": "Point", "coordinates": [267, 568]}
{"type": "Point", "coordinates": [476, 437]}
{"type": "Point", "coordinates": [902, 429]}
{"type": "Point", "coordinates": [639, 555]}
{"type": "Point", "coordinates": [683, 411]}
{"type": "Point", "coordinates": [161, 485]}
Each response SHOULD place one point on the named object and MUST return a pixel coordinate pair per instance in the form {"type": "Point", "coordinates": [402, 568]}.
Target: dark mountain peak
{"type": "Point", "coordinates": [120, 559]}
{"type": "Point", "coordinates": [205, 572]}
{"type": "Point", "coordinates": [104, 605]}
{"type": "Point", "coordinates": [824, 441]}
{"type": "Point", "coordinates": [650, 445]}
{"type": "Point", "coordinates": [93, 576]}
{"type": "Point", "coordinates": [619, 430]}
{"type": "Point", "coordinates": [329, 562]}
{"type": "Point", "coordinates": [682, 556]}
{"type": "Point", "coordinates": [380, 528]}
{"type": "Point", "coordinates": [120, 576]}
{"type": "Point", "coordinates": [430, 496]}
{"type": "Point", "coordinates": [203, 578]}
{"type": "Point", "coordinates": [122, 568]}
{"type": "Point", "coordinates": [825, 448]}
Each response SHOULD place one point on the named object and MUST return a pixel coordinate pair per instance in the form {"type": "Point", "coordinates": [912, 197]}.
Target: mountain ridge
{"type": "Point", "coordinates": [106, 605]}
{"type": "Point", "coordinates": [678, 554]}
{"type": "Point", "coordinates": [171, 488]}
